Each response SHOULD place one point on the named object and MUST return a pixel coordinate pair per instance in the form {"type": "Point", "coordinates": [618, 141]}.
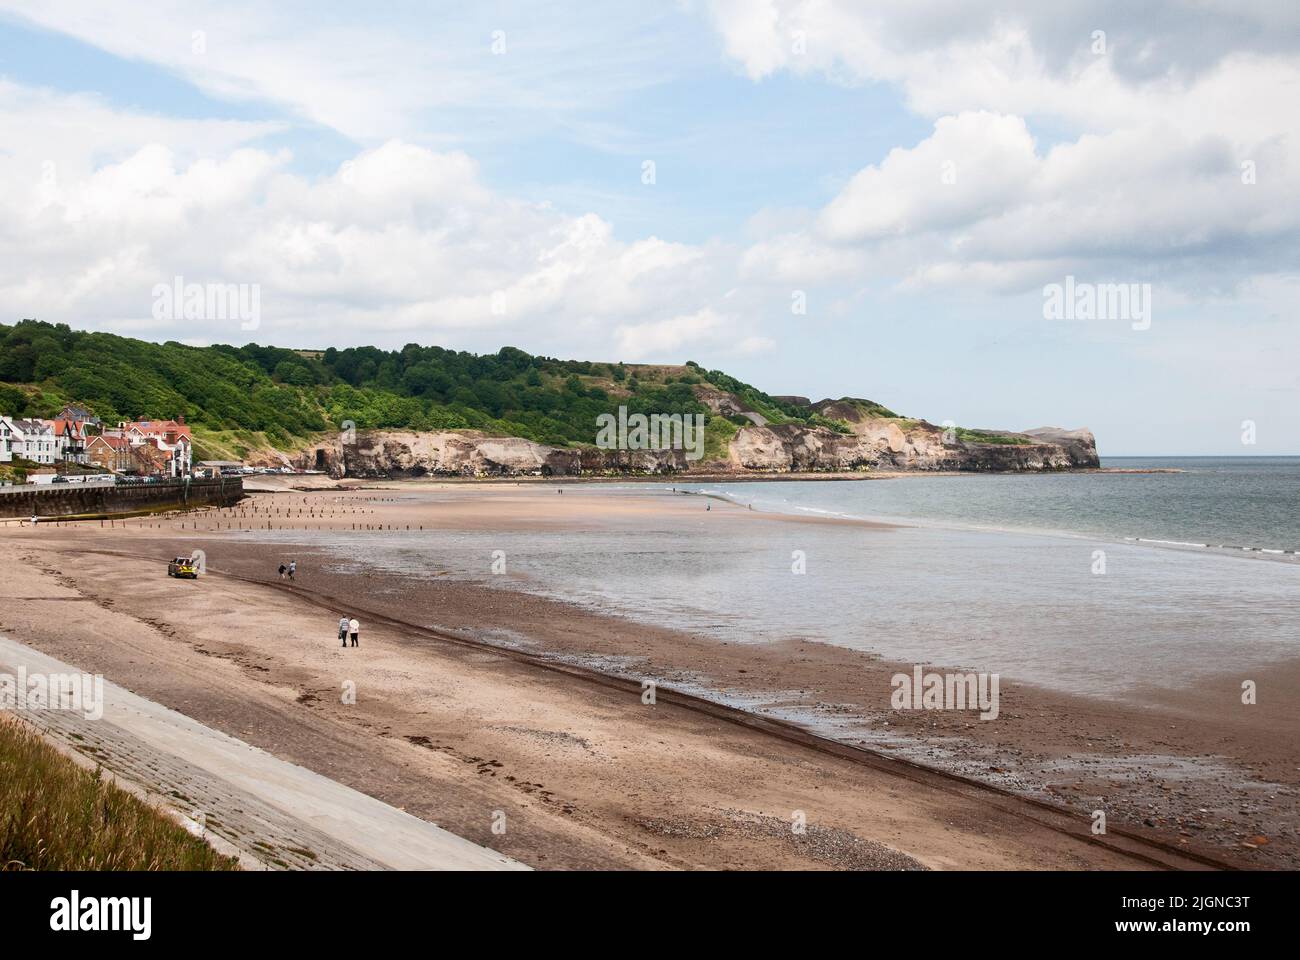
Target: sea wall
{"type": "Point", "coordinates": [62, 500]}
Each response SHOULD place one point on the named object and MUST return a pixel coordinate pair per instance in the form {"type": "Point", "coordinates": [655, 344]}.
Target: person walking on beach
{"type": "Point", "coordinates": [344, 627]}
{"type": "Point", "coordinates": [283, 568]}
{"type": "Point", "coordinates": [355, 629]}
{"type": "Point", "coordinates": [293, 568]}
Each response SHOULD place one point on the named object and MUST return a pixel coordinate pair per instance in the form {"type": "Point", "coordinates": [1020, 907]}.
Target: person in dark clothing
{"type": "Point", "coordinates": [282, 569]}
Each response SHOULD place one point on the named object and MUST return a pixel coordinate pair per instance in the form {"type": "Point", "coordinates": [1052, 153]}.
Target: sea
{"type": "Point", "coordinates": [1097, 583]}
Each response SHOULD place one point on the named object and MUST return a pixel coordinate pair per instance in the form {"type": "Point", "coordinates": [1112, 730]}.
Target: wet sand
{"type": "Point", "coordinates": [595, 777]}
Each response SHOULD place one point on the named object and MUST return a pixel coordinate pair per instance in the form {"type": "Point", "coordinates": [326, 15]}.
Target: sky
{"type": "Point", "coordinates": [822, 197]}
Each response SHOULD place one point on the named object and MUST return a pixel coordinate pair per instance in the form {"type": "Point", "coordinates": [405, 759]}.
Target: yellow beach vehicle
{"type": "Point", "coordinates": [183, 567]}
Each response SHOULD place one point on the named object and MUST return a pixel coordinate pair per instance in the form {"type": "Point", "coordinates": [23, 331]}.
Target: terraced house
{"type": "Point", "coordinates": [111, 453]}
{"type": "Point", "coordinates": [145, 446]}
{"type": "Point", "coordinates": [27, 439]}
{"type": "Point", "coordinates": [70, 437]}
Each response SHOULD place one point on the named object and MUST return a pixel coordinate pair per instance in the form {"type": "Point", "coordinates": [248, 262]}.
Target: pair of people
{"type": "Point", "coordinates": [290, 570]}
{"type": "Point", "coordinates": [349, 627]}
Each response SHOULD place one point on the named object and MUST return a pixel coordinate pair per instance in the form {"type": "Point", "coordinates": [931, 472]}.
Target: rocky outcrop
{"type": "Point", "coordinates": [895, 445]}
{"type": "Point", "coordinates": [1079, 445]}
{"type": "Point", "coordinates": [467, 453]}
{"type": "Point", "coordinates": [727, 405]}
{"type": "Point", "coordinates": [875, 443]}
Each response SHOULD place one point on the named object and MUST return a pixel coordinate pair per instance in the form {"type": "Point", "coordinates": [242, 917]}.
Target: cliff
{"type": "Point", "coordinates": [447, 412]}
{"type": "Point", "coordinates": [862, 440]}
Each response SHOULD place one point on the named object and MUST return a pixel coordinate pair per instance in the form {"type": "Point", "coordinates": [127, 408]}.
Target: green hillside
{"type": "Point", "coordinates": [238, 399]}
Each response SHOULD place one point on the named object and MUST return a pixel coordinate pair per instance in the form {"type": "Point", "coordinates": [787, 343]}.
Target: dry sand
{"type": "Point", "coordinates": [586, 774]}
{"type": "Point", "coordinates": [244, 801]}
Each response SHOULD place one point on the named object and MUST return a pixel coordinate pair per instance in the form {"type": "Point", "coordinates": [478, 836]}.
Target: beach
{"type": "Point", "coordinates": [482, 698]}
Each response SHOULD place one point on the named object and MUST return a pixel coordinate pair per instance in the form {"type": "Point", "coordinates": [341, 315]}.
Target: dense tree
{"type": "Point", "coordinates": [292, 393]}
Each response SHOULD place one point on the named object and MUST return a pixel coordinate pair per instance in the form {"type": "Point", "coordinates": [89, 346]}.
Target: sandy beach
{"type": "Point", "coordinates": [475, 702]}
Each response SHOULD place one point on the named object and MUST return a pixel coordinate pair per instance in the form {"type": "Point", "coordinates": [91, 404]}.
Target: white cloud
{"type": "Point", "coordinates": [755, 344]}
{"type": "Point", "coordinates": [972, 167]}
{"type": "Point", "coordinates": [658, 339]}
{"type": "Point", "coordinates": [400, 241]}
{"type": "Point", "coordinates": [373, 78]}
{"type": "Point", "coordinates": [1138, 171]}
{"type": "Point", "coordinates": [1062, 161]}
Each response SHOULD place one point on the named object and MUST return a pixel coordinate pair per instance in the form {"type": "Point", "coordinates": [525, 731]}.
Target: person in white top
{"type": "Point", "coordinates": [355, 629]}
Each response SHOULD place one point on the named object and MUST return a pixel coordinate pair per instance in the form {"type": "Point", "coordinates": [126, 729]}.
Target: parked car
{"type": "Point", "coordinates": [183, 567]}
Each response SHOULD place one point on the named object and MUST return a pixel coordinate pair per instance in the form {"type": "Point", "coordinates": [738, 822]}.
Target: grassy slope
{"type": "Point", "coordinates": [243, 402]}
{"type": "Point", "coordinates": [55, 815]}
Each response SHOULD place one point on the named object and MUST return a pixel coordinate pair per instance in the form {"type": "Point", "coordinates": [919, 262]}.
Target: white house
{"type": "Point", "coordinates": [30, 439]}
{"type": "Point", "coordinates": [8, 437]}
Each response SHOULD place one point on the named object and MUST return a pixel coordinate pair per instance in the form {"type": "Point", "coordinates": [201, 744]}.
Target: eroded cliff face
{"type": "Point", "coordinates": [875, 444]}
{"type": "Point", "coordinates": [886, 445]}
{"type": "Point", "coordinates": [467, 453]}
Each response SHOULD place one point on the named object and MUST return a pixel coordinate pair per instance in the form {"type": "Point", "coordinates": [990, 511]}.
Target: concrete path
{"type": "Point", "coordinates": [284, 816]}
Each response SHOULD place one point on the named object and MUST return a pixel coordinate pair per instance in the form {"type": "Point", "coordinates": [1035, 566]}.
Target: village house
{"type": "Point", "coordinates": [78, 414]}
{"type": "Point", "coordinates": [7, 440]}
{"type": "Point", "coordinates": [73, 428]}
{"type": "Point", "coordinates": [120, 455]}
{"type": "Point", "coordinates": [30, 439]}
{"type": "Point", "coordinates": [110, 453]}
{"type": "Point", "coordinates": [145, 447]}
{"type": "Point", "coordinates": [46, 441]}
{"type": "Point", "coordinates": [70, 439]}
{"type": "Point", "coordinates": [150, 460]}
{"type": "Point", "coordinates": [172, 437]}
{"type": "Point", "coordinates": [147, 439]}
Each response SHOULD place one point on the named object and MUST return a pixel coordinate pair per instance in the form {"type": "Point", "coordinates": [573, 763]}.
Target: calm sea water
{"type": "Point", "coordinates": [1244, 501]}
{"type": "Point", "coordinates": [996, 573]}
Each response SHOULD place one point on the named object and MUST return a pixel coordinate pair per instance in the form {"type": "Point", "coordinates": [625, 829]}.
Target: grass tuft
{"type": "Point", "coordinates": [56, 815]}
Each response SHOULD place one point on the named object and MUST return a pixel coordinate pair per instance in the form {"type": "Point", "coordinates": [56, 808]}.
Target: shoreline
{"type": "Point", "coordinates": [1064, 749]}
{"type": "Point", "coordinates": [265, 483]}
{"type": "Point", "coordinates": [720, 794]}
{"type": "Point", "coordinates": [587, 775]}
{"type": "Point", "coordinates": [882, 520]}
